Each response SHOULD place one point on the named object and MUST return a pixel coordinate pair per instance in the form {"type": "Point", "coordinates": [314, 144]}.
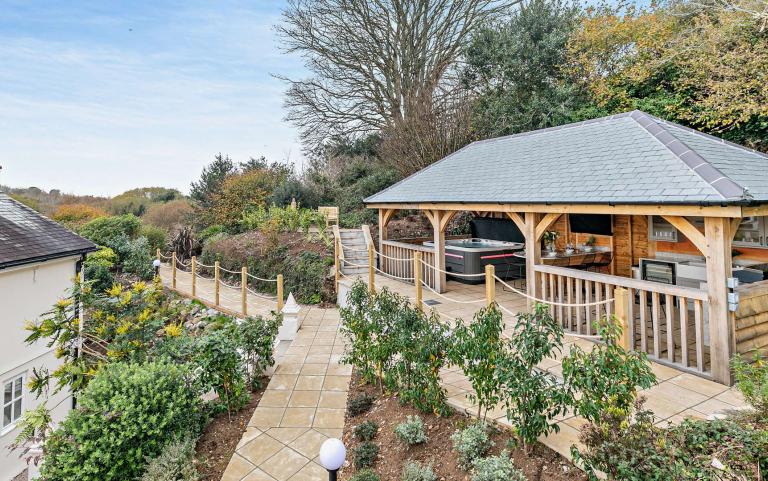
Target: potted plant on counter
{"type": "Point", "coordinates": [589, 246]}
{"type": "Point", "coordinates": [549, 238]}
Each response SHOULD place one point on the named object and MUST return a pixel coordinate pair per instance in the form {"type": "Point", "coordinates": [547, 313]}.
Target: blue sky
{"type": "Point", "coordinates": [100, 97]}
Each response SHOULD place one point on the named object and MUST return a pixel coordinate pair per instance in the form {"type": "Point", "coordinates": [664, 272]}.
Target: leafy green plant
{"type": "Point", "coordinates": [496, 468]}
{"type": "Point", "coordinates": [136, 258]}
{"type": "Point", "coordinates": [752, 380]}
{"type": "Point", "coordinates": [472, 443]}
{"type": "Point", "coordinates": [126, 413]}
{"type": "Point", "coordinates": [413, 471]}
{"type": "Point", "coordinates": [411, 432]}
{"type": "Point", "coordinates": [156, 237]}
{"type": "Point", "coordinates": [365, 454]}
{"type": "Point", "coordinates": [34, 428]}
{"type": "Point", "coordinates": [359, 404]}
{"type": "Point", "coordinates": [366, 430]}
{"type": "Point", "coordinates": [257, 339]}
{"type": "Point", "coordinates": [477, 349]}
{"type": "Point", "coordinates": [103, 230]}
{"type": "Point", "coordinates": [607, 375]}
{"type": "Point", "coordinates": [222, 368]}
{"type": "Point", "coordinates": [365, 475]}
{"type": "Point", "coordinates": [533, 398]}
{"type": "Point", "coordinates": [175, 463]}
{"type": "Point", "coordinates": [98, 269]}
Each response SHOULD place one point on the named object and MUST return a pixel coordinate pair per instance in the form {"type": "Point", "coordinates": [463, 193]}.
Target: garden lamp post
{"type": "Point", "coordinates": [332, 454]}
{"type": "Point", "coordinates": [156, 266]}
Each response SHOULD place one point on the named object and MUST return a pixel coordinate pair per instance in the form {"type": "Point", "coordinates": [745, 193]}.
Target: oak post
{"type": "Point", "coordinates": [371, 271]}
{"type": "Point", "coordinates": [173, 270]}
{"type": "Point", "coordinates": [244, 289]}
{"type": "Point", "coordinates": [721, 321]}
{"type": "Point", "coordinates": [490, 284]}
{"type": "Point", "coordinates": [532, 254]}
{"type": "Point", "coordinates": [336, 270]}
{"type": "Point", "coordinates": [193, 268]}
{"type": "Point", "coordinates": [280, 292]}
{"type": "Point", "coordinates": [621, 304]}
{"type": "Point", "coordinates": [417, 279]}
{"type": "Point", "coordinates": [216, 279]}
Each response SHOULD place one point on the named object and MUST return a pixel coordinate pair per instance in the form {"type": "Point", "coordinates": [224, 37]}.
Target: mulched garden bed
{"type": "Point", "coordinates": [542, 464]}
{"type": "Point", "coordinates": [217, 444]}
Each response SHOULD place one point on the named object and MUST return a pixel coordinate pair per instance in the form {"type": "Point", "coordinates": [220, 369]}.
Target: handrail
{"type": "Point", "coordinates": [680, 291]}
{"type": "Point", "coordinates": [415, 247]}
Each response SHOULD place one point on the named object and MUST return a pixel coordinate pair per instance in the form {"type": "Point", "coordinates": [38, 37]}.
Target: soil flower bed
{"type": "Point", "coordinates": [541, 464]}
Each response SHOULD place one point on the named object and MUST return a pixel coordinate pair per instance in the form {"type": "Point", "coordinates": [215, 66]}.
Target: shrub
{"type": "Point", "coordinates": [366, 431]}
{"type": "Point", "coordinates": [606, 374]}
{"type": "Point", "coordinates": [359, 404]}
{"type": "Point", "coordinates": [169, 215]}
{"type": "Point", "coordinates": [413, 471]}
{"type": "Point", "coordinates": [365, 475]}
{"type": "Point", "coordinates": [222, 368]}
{"type": "Point", "coordinates": [104, 230]}
{"type": "Point", "coordinates": [411, 431]}
{"type": "Point", "coordinates": [533, 398]}
{"type": "Point", "coordinates": [496, 468]}
{"type": "Point", "coordinates": [73, 215]}
{"type": "Point", "coordinates": [752, 380]}
{"type": "Point", "coordinates": [257, 339]}
{"type": "Point", "coordinates": [175, 463]}
{"type": "Point", "coordinates": [472, 443]}
{"type": "Point", "coordinates": [156, 237]}
{"type": "Point", "coordinates": [137, 258]}
{"type": "Point", "coordinates": [127, 412]}
{"type": "Point", "coordinates": [365, 454]}
{"type": "Point", "coordinates": [477, 349]}
{"type": "Point", "coordinates": [98, 269]}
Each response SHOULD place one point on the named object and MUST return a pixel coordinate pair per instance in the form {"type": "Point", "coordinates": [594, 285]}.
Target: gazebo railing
{"type": "Point", "coordinates": [396, 259]}
{"type": "Point", "coordinates": [666, 321]}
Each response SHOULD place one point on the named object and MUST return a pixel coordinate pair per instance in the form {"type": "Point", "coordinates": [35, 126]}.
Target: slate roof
{"type": "Point", "coordinates": [27, 236]}
{"type": "Point", "coordinates": [630, 158]}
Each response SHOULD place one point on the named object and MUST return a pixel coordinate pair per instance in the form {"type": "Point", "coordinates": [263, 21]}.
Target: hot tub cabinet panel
{"type": "Point", "coordinates": [470, 256]}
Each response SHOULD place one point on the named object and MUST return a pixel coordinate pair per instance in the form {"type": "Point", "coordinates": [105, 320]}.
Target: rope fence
{"type": "Point", "coordinates": [195, 268]}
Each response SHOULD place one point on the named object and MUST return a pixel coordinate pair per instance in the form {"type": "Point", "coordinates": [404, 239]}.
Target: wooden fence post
{"type": "Point", "coordinates": [336, 263]}
{"type": "Point", "coordinates": [371, 271]}
{"type": "Point", "coordinates": [417, 280]}
{"type": "Point", "coordinates": [244, 289]}
{"type": "Point", "coordinates": [216, 280]}
{"type": "Point", "coordinates": [173, 270]}
{"type": "Point", "coordinates": [194, 276]}
{"type": "Point", "coordinates": [279, 293]}
{"type": "Point", "coordinates": [621, 305]}
{"type": "Point", "coordinates": [490, 284]}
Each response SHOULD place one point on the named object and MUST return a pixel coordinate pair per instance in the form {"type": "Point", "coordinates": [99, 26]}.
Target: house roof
{"type": "Point", "coordinates": [27, 236]}
{"type": "Point", "coordinates": [630, 158]}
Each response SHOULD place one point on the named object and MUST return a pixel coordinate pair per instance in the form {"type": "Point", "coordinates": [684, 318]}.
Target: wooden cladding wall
{"type": "Point", "coordinates": [752, 319]}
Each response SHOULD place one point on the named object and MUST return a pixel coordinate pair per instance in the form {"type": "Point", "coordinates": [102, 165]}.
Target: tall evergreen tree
{"type": "Point", "coordinates": [211, 179]}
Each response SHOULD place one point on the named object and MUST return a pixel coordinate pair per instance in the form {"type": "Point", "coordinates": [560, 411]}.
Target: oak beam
{"type": "Point", "coordinates": [436, 218]}
{"type": "Point", "coordinates": [689, 230]}
{"type": "Point", "coordinates": [545, 223]}
{"type": "Point", "coordinates": [735, 223]}
{"type": "Point", "coordinates": [729, 211]}
{"type": "Point", "coordinates": [532, 253]}
{"type": "Point", "coordinates": [517, 219]}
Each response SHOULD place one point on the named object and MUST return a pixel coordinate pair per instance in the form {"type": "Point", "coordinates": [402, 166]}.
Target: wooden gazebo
{"type": "Point", "coordinates": [636, 168]}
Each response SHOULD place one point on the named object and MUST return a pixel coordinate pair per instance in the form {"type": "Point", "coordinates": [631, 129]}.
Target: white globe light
{"type": "Point", "coordinates": [332, 454]}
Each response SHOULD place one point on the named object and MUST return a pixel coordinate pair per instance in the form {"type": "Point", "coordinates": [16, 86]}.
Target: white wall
{"type": "Point", "coordinates": [26, 292]}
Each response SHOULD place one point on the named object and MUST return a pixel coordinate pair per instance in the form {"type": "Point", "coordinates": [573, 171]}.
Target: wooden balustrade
{"type": "Point", "coordinates": [397, 260]}
{"type": "Point", "coordinates": [666, 321]}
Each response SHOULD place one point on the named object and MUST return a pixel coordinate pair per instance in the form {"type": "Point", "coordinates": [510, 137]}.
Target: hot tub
{"type": "Point", "coordinates": [470, 256]}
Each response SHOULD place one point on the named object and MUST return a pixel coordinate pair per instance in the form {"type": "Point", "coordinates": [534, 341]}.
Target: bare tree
{"type": "Point", "coordinates": [376, 64]}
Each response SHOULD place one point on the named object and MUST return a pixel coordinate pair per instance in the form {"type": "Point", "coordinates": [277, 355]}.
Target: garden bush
{"type": "Point", "coordinates": [175, 463]}
{"type": "Point", "coordinates": [533, 397]}
{"type": "Point", "coordinates": [126, 413]}
{"type": "Point", "coordinates": [156, 237]}
{"type": "Point", "coordinates": [413, 471]}
{"type": "Point", "coordinates": [75, 215]}
{"type": "Point", "coordinates": [365, 454]}
{"type": "Point", "coordinates": [366, 431]}
{"type": "Point", "coordinates": [607, 374]}
{"type": "Point", "coordinates": [496, 468]}
{"type": "Point", "coordinates": [359, 404]}
{"type": "Point", "coordinates": [365, 475]}
{"type": "Point", "coordinates": [103, 230]}
{"type": "Point", "coordinates": [97, 269]}
{"type": "Point", "coordinates": [477, 348]}
{"type": "Point", "coordinates": [472, 443]}
{"type": "Point", "coordinates": [136, 257]}
{"type": "Point", "coordinates": [257, 339]}
{"type": "Point", "coordinates": [411, 432]}
{"type": "Point", "coordinates": [752, 381]}
{"type": "Point", "coordinates": [222, 368]}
